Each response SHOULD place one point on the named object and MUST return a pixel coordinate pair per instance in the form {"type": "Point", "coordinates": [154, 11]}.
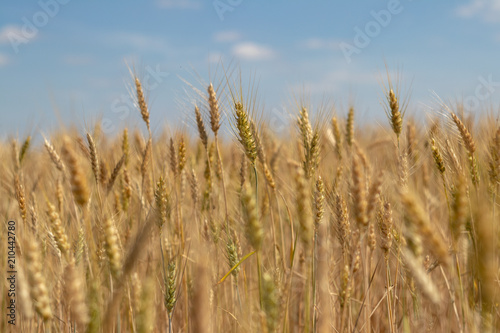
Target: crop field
{"type": "Point", "coordinates": [335, 225]}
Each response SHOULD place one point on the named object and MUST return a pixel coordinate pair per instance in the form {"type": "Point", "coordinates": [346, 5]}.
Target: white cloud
{"type": "Point", "coordinates": [8, 32]}
{"type": "Point", "coordinates": [179, 4]}
{"type": "Point", "coordinates": [488, 10]}
{"type": "Point", "coordinates": [334, 80]}
{"type": "Point", "coordinates": [4, 60]}
{"type": "Point", "coordinates": [252, 51]}
{"type": "Point", "coordinates": [227, 36]}
{"type": "Point", "coordinates": [136, 40]}
{"type": "Point", "coordinates": [320, 44]}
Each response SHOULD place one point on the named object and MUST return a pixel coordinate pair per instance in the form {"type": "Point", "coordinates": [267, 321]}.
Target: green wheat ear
{"type": "Point", "coordinates": [170, 293]}
{"type": "Point", "coordinates": [245, 135]}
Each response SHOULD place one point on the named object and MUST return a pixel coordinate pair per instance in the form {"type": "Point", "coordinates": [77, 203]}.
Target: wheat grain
{"type": "Point", "coordinates": [93, 157]}
{"type": "Point", "coordinates": [77, 178]}
{"type": "Point", "coordinates": [141, 102]}
{"type": "Point", "coordinates": [214, 109]}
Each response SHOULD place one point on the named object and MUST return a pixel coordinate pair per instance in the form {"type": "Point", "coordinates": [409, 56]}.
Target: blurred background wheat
{"type": "Point", "coordinates": [335, 227]}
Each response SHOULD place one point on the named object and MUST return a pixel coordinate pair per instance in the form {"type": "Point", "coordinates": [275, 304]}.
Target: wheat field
{"type": "Point", "coordinates": [336, 226]}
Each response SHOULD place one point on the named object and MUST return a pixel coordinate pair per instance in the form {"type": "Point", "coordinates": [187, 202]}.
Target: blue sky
{"type": "Point", "coordinates": [66, 60]}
